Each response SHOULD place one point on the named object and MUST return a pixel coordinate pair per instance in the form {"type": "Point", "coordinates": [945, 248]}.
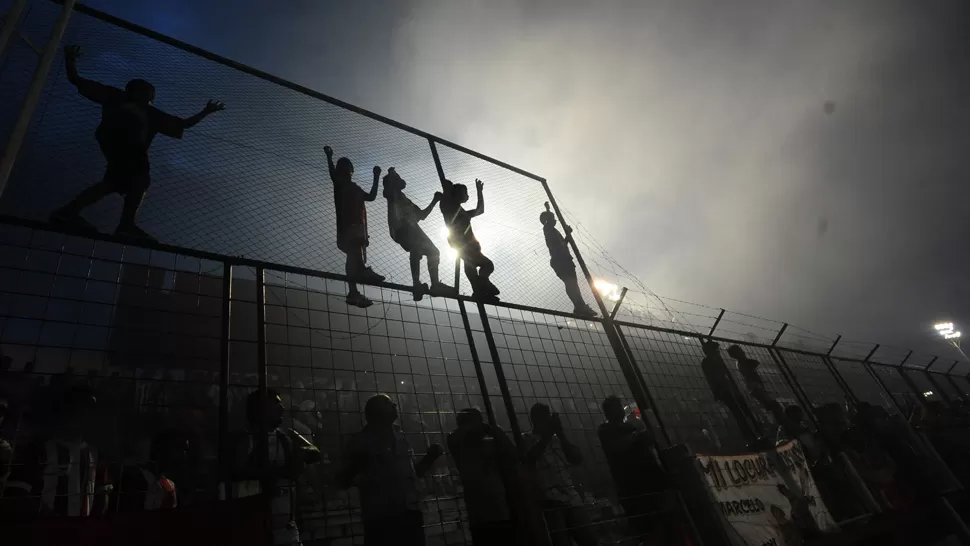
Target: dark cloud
{"type": "Point", "coordinates": [798, 160]}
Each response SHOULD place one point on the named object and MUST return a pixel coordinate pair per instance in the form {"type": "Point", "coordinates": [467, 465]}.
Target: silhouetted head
{"type": "Point", "coordinates": [711, 348]}
{"type": "Point", "coordinates": [380, 410]}
{"type": "Point", "coordinates": [140, 91]}
{"type": "Point", "coordinates": [795, 413]}
{"type": "Point", "coordinates": [170, 451]}
{"type": "Point", "coordinates": [459, 193]}
{"type": "Point", "coordinates": [345, 167]}
{"type": "Point", "coordinates": [613, 409]}
{"type": "Point", "coordinates": [736, 352]}
{"type": "Point", "coordinates": [267, 409]}
{"type": "Point", "coordinates": [541, 417]}
{"type": "Point", "coordinates": [469, 416]}
{"type": "Point", "coordinates": [393, 183]}
{"type": "Point", "coordinates": [547, 219]}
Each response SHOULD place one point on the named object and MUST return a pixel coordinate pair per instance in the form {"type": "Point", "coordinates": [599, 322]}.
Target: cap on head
{"type": "Point", "coordinates": [711, 347]}
{"type": "Point", "coordinates": [393, 182]}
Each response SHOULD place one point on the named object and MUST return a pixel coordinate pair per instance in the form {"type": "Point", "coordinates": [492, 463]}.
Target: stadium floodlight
{"type": "Point", "coordinates": [607, 289]}
{"type": "Point", "coordinates": [950, 334]}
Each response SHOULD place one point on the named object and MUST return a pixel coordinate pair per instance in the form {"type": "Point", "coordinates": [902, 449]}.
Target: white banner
{"type": "Point", "coordinates": [753, 498]}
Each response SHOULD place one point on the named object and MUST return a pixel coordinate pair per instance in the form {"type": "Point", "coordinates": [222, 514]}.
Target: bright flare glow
{"type": "Point", "coordinates": [928, 393]}
{"type": "Point", "coordinates": [607, 289]}
{"type": "Point", "coordinates": [946, 330]}
{"type": "Point", "coordinates": [444, 233]}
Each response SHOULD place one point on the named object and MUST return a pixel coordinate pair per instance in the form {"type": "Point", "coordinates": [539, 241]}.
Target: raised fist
{"type": "Point", "coordinates": [479, 185]}
{"type": "Point", "coordinates": [328, 150]}
{"type": "Point", "coordinates": [377, 171]}
{"type": "Point", "coordinates": [438, 196]}
{"type": "Point", "coordinates": [214, 106]}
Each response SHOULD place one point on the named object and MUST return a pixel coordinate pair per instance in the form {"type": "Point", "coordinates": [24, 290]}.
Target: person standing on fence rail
{"type": "Point", "coordinates": [478, 268]}
{"type": "Point", "coordinates": [402, 219]}
{"type": "Point", "coordinates": [352, 239]}
{"type": "Point", "coordinates": [562, 262]}
{"type": "Point", "coordinates": [129, 123]}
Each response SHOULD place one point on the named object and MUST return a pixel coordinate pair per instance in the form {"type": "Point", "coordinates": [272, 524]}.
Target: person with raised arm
{"type": "Point", "coordinates": [478, 267]}
{"type": "Point", "coordinates": [129, 123]}
{"type": "Point", "coordinates": [352, 239]}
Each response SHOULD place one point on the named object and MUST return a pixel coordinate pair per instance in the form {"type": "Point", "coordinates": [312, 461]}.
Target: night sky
{"type": "Point", "coordinates": [802, 161]}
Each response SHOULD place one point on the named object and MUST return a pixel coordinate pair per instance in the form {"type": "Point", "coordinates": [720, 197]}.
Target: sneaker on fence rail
{"type": "Point", "coordinates": [442, 290]}
{"type": "Point", "coordinates": [71, 221]}
{"type": "Point", "coordinates": [485, 297]}
{"type": "Point", "coordinates": [359, 300]}
{"type": "Point", "coordinates": [370, 277]}
{"type": "Point", "coordinates": [584, 311]}
{"type": "Point", "coordinates": [419, 291]}
{"type": "Point", "coordinates": [132, 231]}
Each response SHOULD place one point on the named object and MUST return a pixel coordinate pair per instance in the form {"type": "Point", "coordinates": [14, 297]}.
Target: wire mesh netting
{"type": "Point", "coordinates": [115, 345]}
{"type": "Point", "coordinates": [863, 385]}
{"type": "Point", "coordinates": [950, 392]}
{"type": "Point", "coordinates": [896, 384]}
{"type": "Point", "coordinates": [814, 377]}
{"type": "Point", "coordinates": [253, 180]}
{"type": "Point", "coordinates": [569, 366]}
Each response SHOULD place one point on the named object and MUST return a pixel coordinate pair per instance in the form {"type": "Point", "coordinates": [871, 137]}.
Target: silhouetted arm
{"type": "Point", "coordinates": [427, 210]}
{"type": "Point", "coordinates": [533, 454]}
{"type": "Point", "coordinates": [480, 209]}
{"type": "Point", "coordinates": [373, 189]}
{"type": "Point", "coordinates": [211, 107]}
{"type": "Point", "coordinates": [329, 152]}
{"type": "Point", "coordinates": [434, 451]}
{"type": "Point", "coordinates": [89, 89]}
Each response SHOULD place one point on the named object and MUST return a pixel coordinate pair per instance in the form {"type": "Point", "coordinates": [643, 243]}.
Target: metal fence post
{"type": "Point", "coordinates": [646, 390]}
{"type": "Point", "coordinates": [500, 375]}
{"type": "Point", "coordinates": [224, 457]}
{"type": "Point", "coordinates": [261, 442]}
{"type": "Point", "coordinates": [19, 131]}
{"type": "Point", "coordinates": [486, 401]}
{"type": "Point", "coordinates": [442, 179]}
{"type": "Point", "coordinates": [838, 376]}
{"type": "Point", "coordinates": [793, 382]}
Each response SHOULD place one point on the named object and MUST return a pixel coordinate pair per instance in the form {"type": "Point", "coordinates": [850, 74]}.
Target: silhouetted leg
{"type": "Point", "coordinates": [572, 290]}
{"type": "Point", "coordinates": [355, 264]}
{"type": "Point", "coordinates": [133, 201]}
{"type": "Point", "coordinates": [471, 272]}
{"type": "Point", "coordinates": [86, 198]}
{"type": "Point", "coordinates": [416, 269]}
{"type": "Point", "coordinates": [434, 258]}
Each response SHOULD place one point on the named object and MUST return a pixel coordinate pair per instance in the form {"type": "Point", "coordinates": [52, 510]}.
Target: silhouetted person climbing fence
{"type": "Point", "coordinates": [461, 237]}
{"type": "Point", "coordinates": [722, 387]}
{"type": "Point", "coordinates": [562, 262]}
{"type": "Point", "coordinates": [402, 219]}
{"type": "Point", "coordinates": [129, 122]}
{"type": "Point", "coordinates": [352, 239]}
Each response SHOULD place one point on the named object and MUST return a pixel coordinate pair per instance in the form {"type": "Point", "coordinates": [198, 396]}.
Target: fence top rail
{"type": "Point", "coordinates": [242, 261]}
{"type": "Point", "coordinates": [195, 50]}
